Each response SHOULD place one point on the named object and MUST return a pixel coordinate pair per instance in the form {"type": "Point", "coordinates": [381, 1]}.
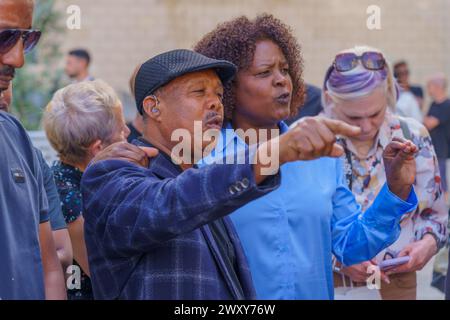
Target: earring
{"type": "Point", "coordinates": [155, 108]}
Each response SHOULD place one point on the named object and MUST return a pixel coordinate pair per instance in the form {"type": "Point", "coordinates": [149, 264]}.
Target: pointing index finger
{"type": "Point", "coordinates": [341, 128]}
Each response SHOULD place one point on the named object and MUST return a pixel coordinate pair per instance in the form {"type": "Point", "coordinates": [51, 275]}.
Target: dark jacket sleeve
{"type": "Point", "coordinates": [132, 210]}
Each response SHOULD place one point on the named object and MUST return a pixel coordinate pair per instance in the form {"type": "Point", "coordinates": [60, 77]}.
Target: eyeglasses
{"type": "Point", "coordinates": [9, 38]}
{"type": "Point", "coordinates": [371, 60]}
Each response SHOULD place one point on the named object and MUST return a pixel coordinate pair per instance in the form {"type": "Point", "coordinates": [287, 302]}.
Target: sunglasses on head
{"type": "Point", "coordinates": [371, 60]}
{"type": "Point", "coordinates": [9, 38]}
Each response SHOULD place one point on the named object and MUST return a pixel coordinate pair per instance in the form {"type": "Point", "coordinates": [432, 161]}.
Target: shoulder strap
{"type": "Point", "coordinates": [405, 129]}
{"type": "Point", "coordinates": [348, 163]}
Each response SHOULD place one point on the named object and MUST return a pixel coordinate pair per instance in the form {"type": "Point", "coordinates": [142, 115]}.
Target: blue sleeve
{"type": "Point", "coordinates": [54, 205]}
{"type": "Point", "coordinates": [359, 236]}
{"type": "Point", "coordinates": [28, 155]}
{"type": "Point", "coordinates": [42, 195]}
{"type": "Point", "coordinates": [132, 210]}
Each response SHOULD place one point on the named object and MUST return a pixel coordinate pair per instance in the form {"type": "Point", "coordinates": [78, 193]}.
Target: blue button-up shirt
{"type": "Point", "coordinates": [289, 235]}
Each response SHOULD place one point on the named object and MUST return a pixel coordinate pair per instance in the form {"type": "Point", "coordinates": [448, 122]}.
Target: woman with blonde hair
{"type": "Point", "coordinates": [359, 89]}
{"type": "Point", "coordinates": [81, 120]}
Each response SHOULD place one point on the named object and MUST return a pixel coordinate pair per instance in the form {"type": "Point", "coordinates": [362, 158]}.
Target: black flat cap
{"type": "Point", "coordinates": [163, 68]}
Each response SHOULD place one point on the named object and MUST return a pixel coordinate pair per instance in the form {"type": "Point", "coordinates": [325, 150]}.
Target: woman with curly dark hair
{"type": "Point", "coordinates": [289, 235]}
{"type": "Point", "coordinates": [257, 48]}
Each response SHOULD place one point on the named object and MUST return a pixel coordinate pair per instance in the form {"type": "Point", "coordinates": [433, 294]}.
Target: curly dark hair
{"type": "Point", "coordinates": [236, 40]}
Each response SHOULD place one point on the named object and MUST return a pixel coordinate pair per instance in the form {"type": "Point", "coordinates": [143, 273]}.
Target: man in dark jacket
{"type": "Point", "coordinates": [161, 232]}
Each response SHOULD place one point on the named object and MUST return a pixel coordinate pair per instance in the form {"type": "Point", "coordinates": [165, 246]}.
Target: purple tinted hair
{"type": "Point", "coordinates": [355, 83]}
{"type": "Point", "coordinates": [359, 82]}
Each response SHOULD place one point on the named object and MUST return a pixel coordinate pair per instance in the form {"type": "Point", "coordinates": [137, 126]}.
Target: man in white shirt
{"type": "Point", "coordinates": [407, 106]}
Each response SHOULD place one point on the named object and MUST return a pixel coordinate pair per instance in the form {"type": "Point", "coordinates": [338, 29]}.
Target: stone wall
{"type": "Point", "coordinates": [120, 33]}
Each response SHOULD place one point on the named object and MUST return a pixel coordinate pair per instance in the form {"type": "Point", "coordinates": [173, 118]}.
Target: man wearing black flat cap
{"type": "Point", "coordinates": [161, 232]}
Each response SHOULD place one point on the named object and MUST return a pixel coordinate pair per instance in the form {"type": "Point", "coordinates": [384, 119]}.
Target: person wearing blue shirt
{"type": "Point", "coordinates": [286, 233]}
{"type": "Point", "coordinates": [56, 218]}
{"type": "Point", "coordinates": [149, 213]}
{"type": "Point", "coordinates": [29, 267]}
{"type": "Point", "coordinates": [289, 235]}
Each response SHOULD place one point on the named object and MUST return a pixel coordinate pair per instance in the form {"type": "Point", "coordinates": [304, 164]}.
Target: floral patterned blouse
{"type": "Point", "coordinates": [368, 176]}
{"type": "Point", "coordinates": [68, 179]}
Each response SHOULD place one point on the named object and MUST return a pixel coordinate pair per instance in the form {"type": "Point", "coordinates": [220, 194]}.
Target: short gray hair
{"type": "Point", "coordinates": [439, 79]}
{"type": "Point", "coordinates": [78, 115]}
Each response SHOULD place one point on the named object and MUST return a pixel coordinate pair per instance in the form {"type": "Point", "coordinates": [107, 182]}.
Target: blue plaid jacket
{"type": "Point", "coordinates": [147, 233]}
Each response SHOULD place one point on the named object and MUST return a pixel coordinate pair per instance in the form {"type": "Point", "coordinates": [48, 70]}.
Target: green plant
{"type": "Point", "coordinates": [40, 77]}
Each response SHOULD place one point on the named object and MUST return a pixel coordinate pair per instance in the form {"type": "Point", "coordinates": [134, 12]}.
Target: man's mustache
{"type": "Point", "coordinates": [7, 71]}
{"type": "Point", "coordinates": [211, 115]}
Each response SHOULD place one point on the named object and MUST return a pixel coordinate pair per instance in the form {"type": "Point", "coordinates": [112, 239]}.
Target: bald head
{"type": "Point", "coordinates": [16, 14]}
{"type": "Point", "coordinates": [437, 86]}
{"type": "Point", "coordinates": [438, 79]}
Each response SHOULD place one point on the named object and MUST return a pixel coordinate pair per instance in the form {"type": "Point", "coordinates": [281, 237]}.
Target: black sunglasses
{"type": "Point", "coordinates": [371, 60]}
{"type": "Point", "coordinates": [9, 38]}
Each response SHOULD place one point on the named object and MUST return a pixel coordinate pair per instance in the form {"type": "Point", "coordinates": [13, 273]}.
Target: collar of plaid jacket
{"type": "Point", "coordinates": [162, 164]}
{"type": "Point", "coordinates": [163, 167]}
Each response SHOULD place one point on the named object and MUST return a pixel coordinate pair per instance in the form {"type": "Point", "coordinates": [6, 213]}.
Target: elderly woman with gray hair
{"type": "Point", "coordinates": [79, 121]}
{"type": "Point", "coordinates": [359, 89]}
